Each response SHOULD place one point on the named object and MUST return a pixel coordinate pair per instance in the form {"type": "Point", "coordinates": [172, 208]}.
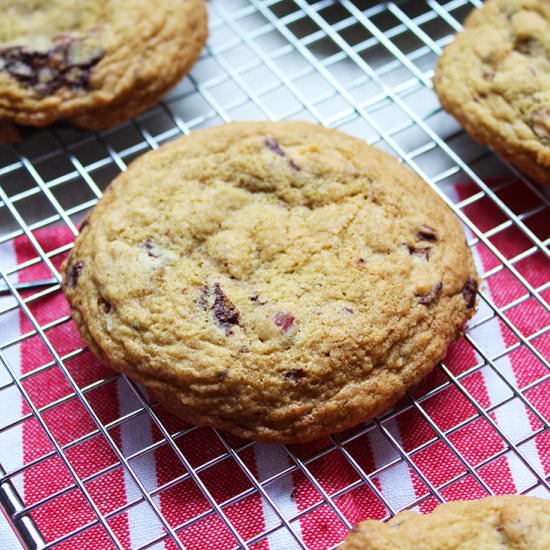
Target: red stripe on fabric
{"type": "Point", "coordinates": [529, 316]}
{"type": "Point", "coordinates": [437, 461]}
{"type": "Point", "coordinates": [321, 528]}
{"type": "Point", "coordinates": [185, 501]}
{"type": "Point", "coordinates": [66, 421]}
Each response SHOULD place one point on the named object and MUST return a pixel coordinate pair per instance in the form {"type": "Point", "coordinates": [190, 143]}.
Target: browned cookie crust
{"type": "Point", "coordinates": [494, 523]}
{"type": "Point", "coordinates": [494, 78]}
{"type": "Point", "coordinates": [93, 63]}
{"type": "Point", "coordinates": [280, 281]}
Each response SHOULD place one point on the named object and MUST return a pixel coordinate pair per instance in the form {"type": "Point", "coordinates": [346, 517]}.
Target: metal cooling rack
{"type": "Point", "coordinates": [363, 67]}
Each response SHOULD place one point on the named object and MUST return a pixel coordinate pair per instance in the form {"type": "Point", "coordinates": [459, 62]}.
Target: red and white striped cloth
{"type": "Point", "coordinates": [320, 528]}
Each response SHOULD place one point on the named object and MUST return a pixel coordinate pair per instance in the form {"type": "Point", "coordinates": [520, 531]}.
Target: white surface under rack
{"type": "Point", "coordinates": [363, 67]}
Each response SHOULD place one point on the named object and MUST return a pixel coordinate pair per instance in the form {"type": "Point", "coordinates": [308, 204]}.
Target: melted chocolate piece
{"type": "Point", "coordinates": [469, 292]}
{"type": "Point", "coordinates": [73, 273]}
{"type": "Point", "coordinates": [295, 375]}
{"type": "Point", "coordinates": [293, 165]}
{"type": "Point", "coordinates": [65, 64]}
{"type": "Point", "coordinates": [273, 145]}
{"type": "Point", "coordinates": [104, 305]}
{"type": "Point", "coordinates": [426, 233]}
{"type": "Point", "coordinates": [203, 298]}
{"type": "Point", "coordinates": [423, 253]}
{"type": "Point", "coordinates": [527, 46]}
{"type": "Point", "coordinates": [258, 299]}
{"type": "Point", "coordinates": [284, 320]}
{"type": "Point", "coordinates": [221, 376]}
{"type": "Point", "coordinates": [427, 299]}
{"type": "Point", "coordinates": [150, 248]}
{"type": "Point", "coordinates": [225, 311]}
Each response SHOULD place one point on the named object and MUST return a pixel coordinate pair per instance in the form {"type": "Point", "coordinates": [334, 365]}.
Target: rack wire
{"type": "Point", "coordinates": [363, 67]}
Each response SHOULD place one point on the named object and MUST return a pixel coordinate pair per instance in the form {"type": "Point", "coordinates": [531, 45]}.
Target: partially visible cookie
{"type": "Point", "coordinates": [493, 523]}
{"type": "Point", "coordinates": [281, 281]}
{"type": "Point", "coordinates": [494, 78]}
{"type": "Point", "coordinates": [93, 63]}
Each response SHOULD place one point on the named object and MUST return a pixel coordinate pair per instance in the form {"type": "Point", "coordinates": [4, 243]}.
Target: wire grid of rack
{"type": "Point", "coordinates": [363, 67]}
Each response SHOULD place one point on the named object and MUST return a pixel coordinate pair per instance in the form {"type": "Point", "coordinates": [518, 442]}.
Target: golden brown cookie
{"type": "Point", "coordinates": [493, 523]}
{"type": "Point", "coordinates": [281, 281]}
{"type": "Point", "coordinates": [494, 78]}
{"type": "Point", "coordinates": [93, 63]}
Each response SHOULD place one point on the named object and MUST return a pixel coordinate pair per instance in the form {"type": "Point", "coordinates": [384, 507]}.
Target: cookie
{"type": "Point", "coordinates": [93, 63]}
{"type": "Point", "coordinates": [493, 523]}
{"type": "Point", "coordinates": [280, 281]}
{"type": "Point", "coordinates": [494, 78]}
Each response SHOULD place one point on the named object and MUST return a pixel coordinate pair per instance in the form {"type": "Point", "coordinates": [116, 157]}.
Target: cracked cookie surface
{"type": "Point", "coordinates": [93, 63]}
{"type": "Point", "coordinates": [277, 280]}
{"type": "Point", "coordinates": [494, 78]}
{"type": "Point", "coordinates": [493, 523]}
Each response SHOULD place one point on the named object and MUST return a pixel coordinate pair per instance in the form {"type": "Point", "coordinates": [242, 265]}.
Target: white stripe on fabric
{"type": "Point", "coordinates": [271, 459]}
{"type": "Point", "coordinates": [511, 418]}
{"type": "Point", "coordinates": [11, 408]}
{"type": "Point", "coordinates": [539, 491]}
{"type": "Point", "coordinates": [7, 536]}
{"type": "Point", "coordinates": [395, 482]}
{"type": "Point", "coordinates": [136, 434]}
{"type": "Point", "coordinates": [530, 452]}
